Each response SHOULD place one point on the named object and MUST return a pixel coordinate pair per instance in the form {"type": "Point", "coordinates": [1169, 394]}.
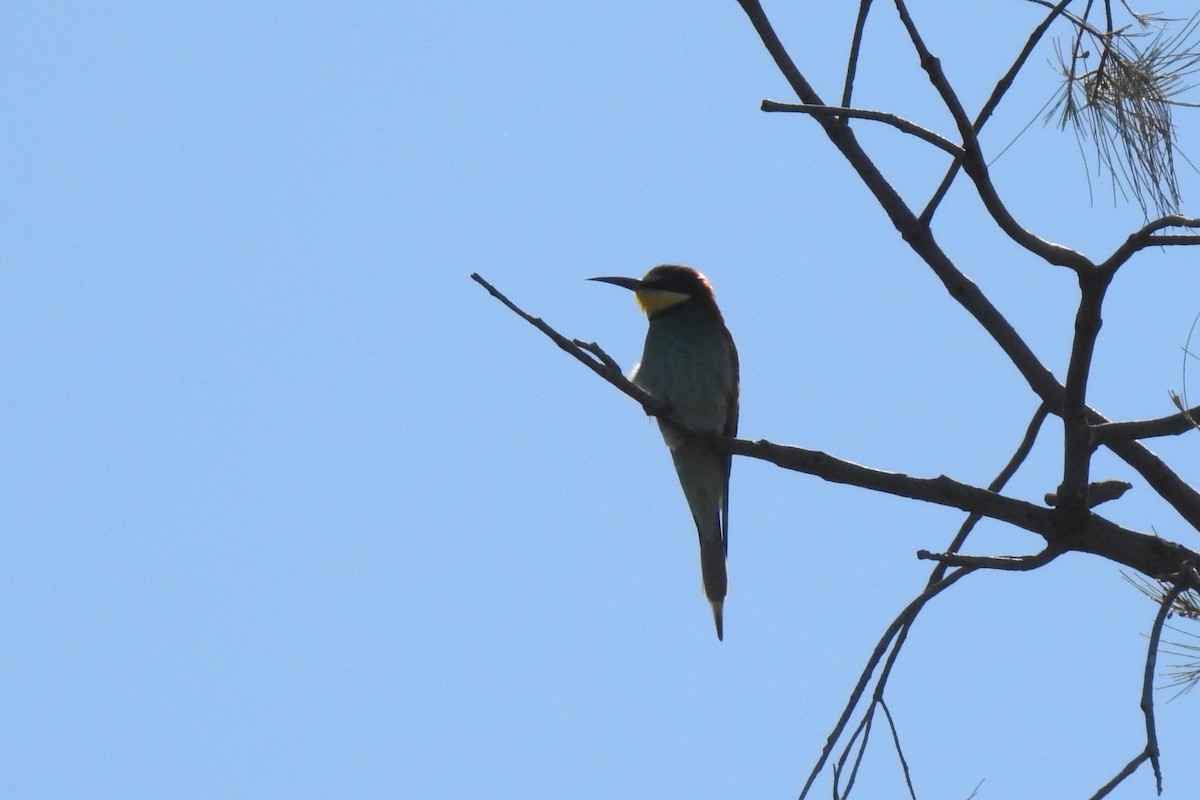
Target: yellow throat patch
{"type": "Point", "coordinates": [653, 301]}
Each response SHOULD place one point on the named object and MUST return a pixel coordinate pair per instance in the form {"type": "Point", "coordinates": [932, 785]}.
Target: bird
{"type": "Point", "coordinates": [691, 364]}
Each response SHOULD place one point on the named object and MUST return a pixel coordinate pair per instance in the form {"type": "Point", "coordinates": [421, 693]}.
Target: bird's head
{"type": "Point", "coordinates": [667, 287]}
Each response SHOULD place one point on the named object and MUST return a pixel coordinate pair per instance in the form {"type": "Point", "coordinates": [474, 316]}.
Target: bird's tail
{"type": "Point", "coordinates": [712, 564]}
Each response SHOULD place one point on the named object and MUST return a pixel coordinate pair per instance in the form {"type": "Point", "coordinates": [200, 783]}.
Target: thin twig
{"type": "Point", "coordinates": [908, 613]}
{"type": "Point", "coordinates": [993, 102]}
{"type": "Point", "coordinates": [599, 353]}
{"type": "Point", "coordinates": [605, 369]}
{"type": "Point", "coordinates": [1147, 704]}
{"type": "Point", "coordinates": [864, 8]}
{"type": "Point", "coordinates": [1171, 425]}
{"type": "Point", "coordinates": [861, 736]}
{"type": "Point", "coordinates": [1150, 751]}
{"type": "Point", "coordinates": [861, 113]}
{"type": "Point", "coordinates": [901, 635]}
{"type": "Point", "coordinates": [1010, 563]}
{"type": "Point", "coordinates": [976, 167]}
{"type": "Point", "coordinates": [899, 750]}
{"type": "Point", "coordinates": [997, 484]}
{"type": "Point", "coordinates": [1145, 237]}
{"type": "Point", "coordinates": [1125, 772]}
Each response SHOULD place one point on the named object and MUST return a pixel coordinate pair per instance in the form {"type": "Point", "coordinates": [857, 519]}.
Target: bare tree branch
{"type": "Point", "coordinates": [1001, 89]}
{"type": "Point", "coordinates": [1170, 425]}
{"type": "Point", "coordinates": [1147, 704]}
{"type": "Point", "coordinates": [998, 483]}
{"type": "Point", "coordinates": [1010, 563]}
{"type": "Point", "coordinates": [1077, 441]}
{"type": "Point", "coordinates": [900, 636]}
{"type": "Point", "coordinates": [1145, 236]}
{"type": "Point", "coordinates": [899, 750]}
{"type": "Point", "coordinates": [976, 167]}
{"type": "Point", "coordinates": [605, 367]}
{"type": "Point", "coordinates": [861, 113]}
{"type": "Point", "coordinates": [860, 24]}
{"type": "Point", "coordinates": [1150, 751]}
{"type": "Point", "coordinates": [1169, 240]}
{"type": "Point", "coordinates": [907, 615]}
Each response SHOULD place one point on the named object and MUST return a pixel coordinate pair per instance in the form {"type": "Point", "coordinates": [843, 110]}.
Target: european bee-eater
{"type": "Point", "coordinates": [691, 364]}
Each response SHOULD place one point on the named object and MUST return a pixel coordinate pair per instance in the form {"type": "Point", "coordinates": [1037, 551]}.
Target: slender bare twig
{"type": "Point", "coordinates": [1147, 704]}
{"type": "Point", "coordinates": [1001, 89]}
{"type": "Point", "coordinates": [885, 674]}
{"type": "Point", "coordinates": [861, 736]}
{"type": "Point", "coordinates": [899, 750]}
{"type": "Point", "coordinates": [1010, 563]}
{"type": "Point", "coordinates": [1170, 425]}
{"type": "Point", "coordinates": [901, 636]}
{"type": "Point", "coordinates": [1145, 236]}
{"type": "Point", "coordinates": [1125, 772]}
{"type": "Point", "coordinates": [860, 24]}
{"type": "Point", "coordinates": [976, 167]}
{"type": "Point", "coordinates": [998, 483]}
{"type": "Point", "coordinates": [604, 367]}
{"type": "Point", "coordinates": [861, 113]}
{"type": "Point", "coordinates": [1150, 751]}
{"type": "Point", "coordinates": [939, 571]}
{"type": "Point", "coordinates": [599, 353]}
{"type": "Point", "coordinates": [904, 617]}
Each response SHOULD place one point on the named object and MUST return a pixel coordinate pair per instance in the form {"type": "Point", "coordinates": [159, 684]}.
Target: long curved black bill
{"type": "Point", "coordinates": [632, 284]}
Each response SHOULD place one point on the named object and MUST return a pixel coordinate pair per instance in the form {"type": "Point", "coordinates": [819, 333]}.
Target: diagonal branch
{"type": "Point", "coordinates": [1181, 495]}
{"type": "Point", "coordinates": [1171, 425]}
{"type": "Point", "coordinates": [975, 166]}
{"type": "Point", "coordinates": [861, 113]}
{"type": "Point", "coordinates": [900, 623]}
{"type": "Point", "coordinates": [1146, 236]}
{"type": "Point", "coordinates": [915, 232]}
{"type": "Point", "coordinates": [1147, 554]}
{"type": "Point", "coordinates": [899, 636]}
{"type": "Point", "coordinates": [1009, 563]}
{"type": "Point", "coordinates": [1147, 703]}
{"type": "Point", "coordinates": [998, 483]}
{"type": "Point", "coordinates": [1150, 751]}
{"type": "Point", "coordinates": [864, 8]}
{"type": "Point", "coordinates": [604, 367]}
{"type": "Point", "coordinates": [993, 102]}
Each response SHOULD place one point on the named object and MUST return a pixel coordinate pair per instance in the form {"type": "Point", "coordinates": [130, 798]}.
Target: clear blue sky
{"type": "Point", "coordinates": [293, 509]}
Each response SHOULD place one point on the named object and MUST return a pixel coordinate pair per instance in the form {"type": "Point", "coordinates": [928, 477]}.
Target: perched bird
{"type": "Point", "coordinates": [691, 364]}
